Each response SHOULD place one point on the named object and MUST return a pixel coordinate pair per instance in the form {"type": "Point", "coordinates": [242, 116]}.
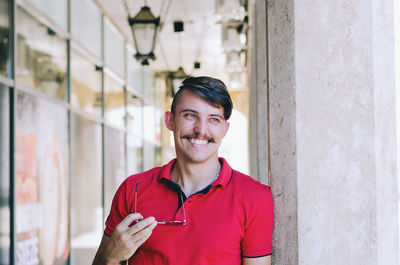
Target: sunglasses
{"type": "Point", "coordinates": [167, 223]}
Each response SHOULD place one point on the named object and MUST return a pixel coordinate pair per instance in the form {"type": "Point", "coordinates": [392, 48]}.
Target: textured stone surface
{"type": "Point", "coordinates": [333, 132]}
{"type": "Point", "coordinates": [258, 92]}
{"type": "Point", "coordinates": [385, 141]}
{"type": "Point", "coordinates": [335, 123]}
{"type": "Point", "coordinates": [282, 100]}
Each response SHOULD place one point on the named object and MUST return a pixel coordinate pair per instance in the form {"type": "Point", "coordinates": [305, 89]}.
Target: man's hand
{"type": "Point", "coordinates": [125, 239]}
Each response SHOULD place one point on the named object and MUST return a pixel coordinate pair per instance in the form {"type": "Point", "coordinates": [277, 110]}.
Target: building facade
{"type": "Point", "coordinates": [78, 113]}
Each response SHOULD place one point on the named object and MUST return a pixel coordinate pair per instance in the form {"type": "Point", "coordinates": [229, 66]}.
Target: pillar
{"type": "Point", "coordinates": [332, 129]}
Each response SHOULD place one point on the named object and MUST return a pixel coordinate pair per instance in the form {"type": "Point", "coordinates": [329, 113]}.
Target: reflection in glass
{"type": "Point", "coordinates": [85, 84]}
{"type": "Point", "coordinates": [158, 122]}
{"type": "Point", "coordinates": [4, 36]}
{"type": "Point", "coordinates": [85, 12]}
{"type": "Point", "coordinates": [86, 190]}
{"type": "Point", "coordinates": [148, 85]}
{"type": "Point", "coordinates": [113, 48]}
{"type": "Point", "coordinates": [160, 109]}
{"type": "Point", "coordinates": [149, 123]}
{"type": "Point", "coordinates": [151, 155]}
{"type": "Point", "coordinates": [114, 164]}
{"type": "Point", "coordinates": [134, 114]}
{"type": "Point", "coordinates": [55, 10]}
{"type": "Point", "coordinates": [5, 177]}
{"type": "Point", "coordinates": [42, 204]}
{"type": "Point", "coordinates": [114, 103]}
{"type": "Point", "coordinates": [134, 153]}
{"type": "Point", "coordinates": [42, 56]}
{"type": "Point", "coordinates": [133, 69]}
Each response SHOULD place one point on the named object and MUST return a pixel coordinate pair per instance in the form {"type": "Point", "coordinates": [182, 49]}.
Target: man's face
{"type": "Point", "coordinates": [198, 128]}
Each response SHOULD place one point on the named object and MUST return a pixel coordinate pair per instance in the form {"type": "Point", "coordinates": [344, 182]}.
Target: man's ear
{"type": "Point", "coordinates": [227, 124]}
{"type": "Point", "coordinates": [169, 120]}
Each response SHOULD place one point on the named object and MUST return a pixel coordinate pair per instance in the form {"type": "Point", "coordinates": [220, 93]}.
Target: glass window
{"type": "Point", "coordinates": [134, 114]}
{"type": "Point", "coordinates": [5, 177]}
{"type": "Point", "coordinates": [86, 190]}
{"type": "Point", "coordinates": [55, 10]}
{"type": "Point", "coordinates": [114, 164]}
{"type": "Point", "coordinates": [160, 100]}
{"type": "Point", "coordinates": [148, 85]}
{"type": "Point", "coordinates": [113, 48]}
{"type": "Point", "coordinates": [85, 84]}
{"type": "Point", "coordinates": [134, 141]}
{"type": "Point", "coordinates": [158, 120]}
{"type": "Point", "coordinates": [133, 70]}
{"type": "Point", "coordinates": [151, 155]}
{"type": "Point", "coordinates": [42, 56]}
{"type": "Point", "coordinates": [4, 36]}
{"type": "Point", "coordinates": [149, 123]}
{"type": "Point", "coordinates": [114, 103]}
{"type": "Point", "coordinates": [42, 190]}
{"type": "Point", "coordinates": [134, 153]}
{"type": "Point", "coordinates": [84, 12]}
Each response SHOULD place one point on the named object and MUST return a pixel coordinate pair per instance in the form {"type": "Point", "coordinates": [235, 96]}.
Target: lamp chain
{"type": "Point", "coordinates": [126, 7]}
{"type": "Point", "coordinates": [162, 7]}
{"type": "Point", "coordinates": [163, 53]}
{"type": "Point", "coordinates": [180, 49]}
{"type": "Point", "coordinates": [201, 42]}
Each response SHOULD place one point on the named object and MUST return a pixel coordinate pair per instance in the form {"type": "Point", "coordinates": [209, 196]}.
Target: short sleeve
{"type": "Point", "coordinates": [119, 209]}
{"type": "Point", "coordinates": [257, 240]}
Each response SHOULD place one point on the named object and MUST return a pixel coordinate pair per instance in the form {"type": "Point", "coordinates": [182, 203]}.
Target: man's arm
{"type": "Point", "coordinates": [258, 261]}
{"type": "Point", "coordinates": [125, 240]}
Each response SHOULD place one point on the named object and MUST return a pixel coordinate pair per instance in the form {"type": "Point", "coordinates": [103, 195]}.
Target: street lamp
{"type": "Point", "coordinates": [144, 28]}
{"type": "Point", "coordinates": [174, 81]}
{"type": "Point", "coordinates": [177, 78]}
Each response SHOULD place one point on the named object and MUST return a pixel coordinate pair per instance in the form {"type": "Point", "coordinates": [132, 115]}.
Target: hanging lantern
{"type": "Point", "coordinates": [144, 28]}
{"type": "Point", "coordinates": [177, 79]}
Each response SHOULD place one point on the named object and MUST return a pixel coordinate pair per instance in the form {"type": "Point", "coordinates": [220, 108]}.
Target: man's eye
{"type": "Point", "coordinates": [214, 119]}
{"type": "Point", "coordinates": [190, 115]}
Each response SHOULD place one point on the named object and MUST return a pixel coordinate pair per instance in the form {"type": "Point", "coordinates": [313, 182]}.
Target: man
{"type": "Point", "coordinates": [195, 209]}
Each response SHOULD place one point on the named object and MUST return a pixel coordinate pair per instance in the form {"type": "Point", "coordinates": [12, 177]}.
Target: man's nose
{"type": "Point", "coordinates": [200, 127]}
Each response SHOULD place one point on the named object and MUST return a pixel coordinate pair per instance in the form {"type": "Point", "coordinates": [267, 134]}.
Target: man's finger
{"type": "Point", "coordinates": [141, 225]}
{"type": "Point", "coordinates": [143, 239]}
{"type": "Point", "coordinates": [129, 219]}
{"type": "Point", "coordinates": [140, 237]}
{"type": "Point", "coordinates": [146, 232]}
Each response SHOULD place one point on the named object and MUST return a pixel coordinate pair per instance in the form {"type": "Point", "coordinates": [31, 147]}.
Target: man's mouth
{"type": "Point", "coordinates": [194, 139]}
{"type": "Point", "coordinates": [198, 141]}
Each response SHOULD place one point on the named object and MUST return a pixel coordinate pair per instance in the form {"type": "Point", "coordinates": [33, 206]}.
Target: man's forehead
{"type": "Point", "coordinates": [188, 100]}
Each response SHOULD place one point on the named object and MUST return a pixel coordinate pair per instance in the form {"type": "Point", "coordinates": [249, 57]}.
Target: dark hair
{"type": "Point", "coordinates": [210, 89]}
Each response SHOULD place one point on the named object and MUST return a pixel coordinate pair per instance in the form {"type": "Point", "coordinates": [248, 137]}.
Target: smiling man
{"type": "Point", "coordinates": [196, 209]}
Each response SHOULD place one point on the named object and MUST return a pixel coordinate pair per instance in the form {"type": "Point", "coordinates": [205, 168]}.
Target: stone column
{"type": "Point", "coordinates": [333, 148]}
{"type": "Point", "coordinates": [258, 108]}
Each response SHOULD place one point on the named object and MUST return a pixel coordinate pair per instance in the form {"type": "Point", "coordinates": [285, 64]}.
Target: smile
{"type": "Point", "coordinates": [197, 141]}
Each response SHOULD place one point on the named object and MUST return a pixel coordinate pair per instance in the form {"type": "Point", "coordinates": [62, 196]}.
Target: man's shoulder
{"type": "Point", "coordinates": [248, 186]}
{"type": "Point", "coordinates": [144, 176]}
{"type": "Point", "coordinates": [244, 179]}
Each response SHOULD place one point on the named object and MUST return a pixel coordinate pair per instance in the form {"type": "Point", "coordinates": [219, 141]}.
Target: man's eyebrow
{"type": "Point", "coordinates": [188, 110]}
{"type": "Point", "coordinates": [217, 115]}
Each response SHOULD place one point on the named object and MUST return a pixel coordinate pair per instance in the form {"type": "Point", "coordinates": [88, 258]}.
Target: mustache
{"type": "Point", "coordinates": [188, 136]}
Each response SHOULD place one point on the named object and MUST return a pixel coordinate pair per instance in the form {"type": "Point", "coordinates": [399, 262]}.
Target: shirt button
{"type": "Point", "coordinates": [190, 201]}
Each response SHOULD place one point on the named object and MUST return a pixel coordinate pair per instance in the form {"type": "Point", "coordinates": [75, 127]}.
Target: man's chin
{"type": "Point", "coordinates": [197, 159]}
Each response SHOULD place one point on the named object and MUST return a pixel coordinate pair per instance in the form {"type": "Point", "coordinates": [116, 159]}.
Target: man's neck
{"type": "Point", "coordinates": [194, 177]}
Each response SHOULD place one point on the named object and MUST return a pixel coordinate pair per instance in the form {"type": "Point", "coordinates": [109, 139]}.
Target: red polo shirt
{"type": "Point", "coordinates": [233, 219]}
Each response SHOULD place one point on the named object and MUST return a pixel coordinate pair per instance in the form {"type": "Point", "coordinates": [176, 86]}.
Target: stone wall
{"type": "Point", "coordinates": [332, 128]}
